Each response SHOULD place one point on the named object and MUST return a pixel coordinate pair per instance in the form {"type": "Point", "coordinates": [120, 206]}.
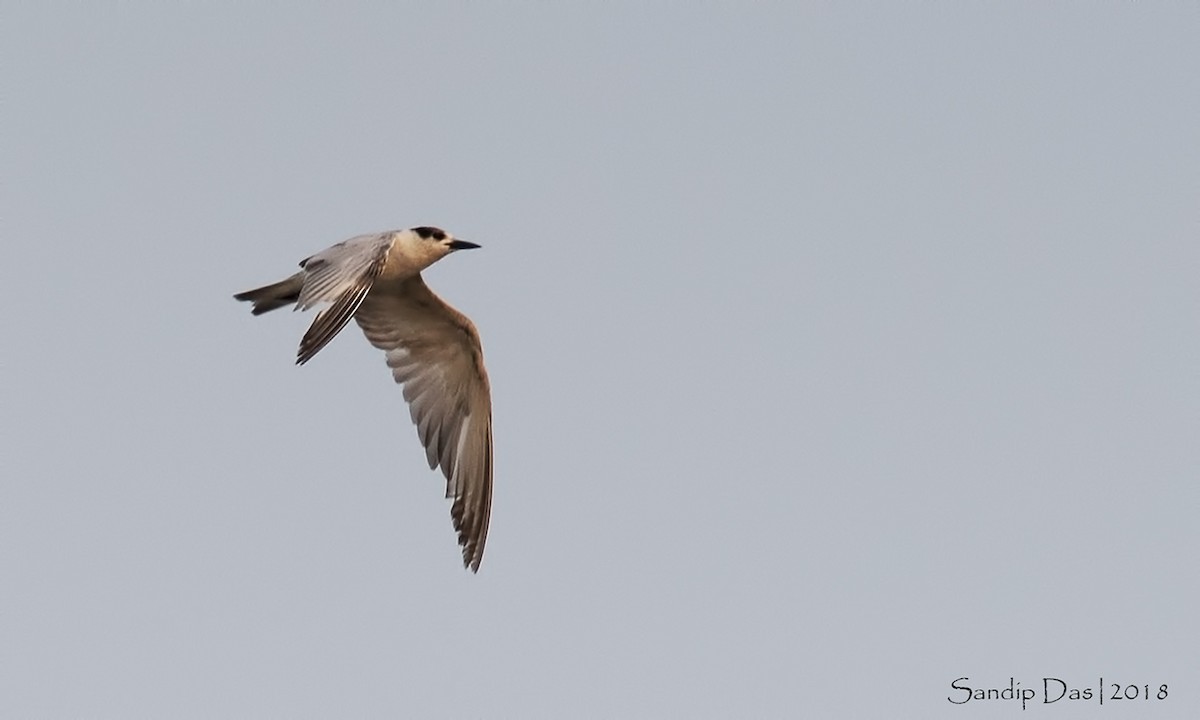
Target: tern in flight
{"type": "Point", "coordinates": [432, 349]}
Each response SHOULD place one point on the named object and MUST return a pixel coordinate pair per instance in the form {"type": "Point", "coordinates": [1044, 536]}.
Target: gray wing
{"type": "Point", "coordinates": [434, 351]}
{"type": "Point", "coordinates": [342, 276]}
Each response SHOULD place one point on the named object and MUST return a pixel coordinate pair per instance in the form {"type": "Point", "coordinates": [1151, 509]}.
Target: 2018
{"type": "Point", "coordinates": [1133, 692]}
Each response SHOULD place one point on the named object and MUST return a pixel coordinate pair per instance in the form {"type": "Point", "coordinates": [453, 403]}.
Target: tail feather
{"type": "Point", "coordinates": [274, 296]}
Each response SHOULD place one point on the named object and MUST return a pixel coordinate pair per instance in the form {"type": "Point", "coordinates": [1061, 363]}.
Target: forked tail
{"type": "Point", "coordinates": [272, 297]}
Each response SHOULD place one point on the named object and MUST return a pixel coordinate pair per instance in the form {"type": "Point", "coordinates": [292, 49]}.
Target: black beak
{"type": "Point", "coordinates": [462, 245]}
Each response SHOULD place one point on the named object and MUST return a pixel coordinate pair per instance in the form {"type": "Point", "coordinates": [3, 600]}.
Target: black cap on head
{"type": "Point", "coordinates": [430, 232]}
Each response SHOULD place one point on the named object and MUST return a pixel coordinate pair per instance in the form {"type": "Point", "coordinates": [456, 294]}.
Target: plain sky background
{"type": "Point", "coordinates": [838, 351]}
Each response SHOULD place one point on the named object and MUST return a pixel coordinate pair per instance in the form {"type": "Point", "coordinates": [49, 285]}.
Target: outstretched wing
{"type": "Point", "coordinates": [434, 351]}
{"type": "Point", "coordinates": [342, 276]}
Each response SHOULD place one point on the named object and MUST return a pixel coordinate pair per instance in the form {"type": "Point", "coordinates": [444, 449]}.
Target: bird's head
{"type": "Point", "coordinates": [427, 245]}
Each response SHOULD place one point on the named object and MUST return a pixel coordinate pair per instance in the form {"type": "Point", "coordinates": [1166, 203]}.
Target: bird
{"type": "Point", "coordinates": [433, 350]}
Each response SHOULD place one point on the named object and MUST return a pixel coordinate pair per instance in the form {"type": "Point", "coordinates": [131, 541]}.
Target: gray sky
{"type": "Point", "coordinates": [838, 351]}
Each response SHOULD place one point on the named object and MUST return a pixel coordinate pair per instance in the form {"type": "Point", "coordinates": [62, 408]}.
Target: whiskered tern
{"type": "Point", "coordinates": [432, 349]}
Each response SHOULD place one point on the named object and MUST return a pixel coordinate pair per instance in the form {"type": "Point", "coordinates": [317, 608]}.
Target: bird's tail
{"type": "Point", "coordinates": [271, 297]}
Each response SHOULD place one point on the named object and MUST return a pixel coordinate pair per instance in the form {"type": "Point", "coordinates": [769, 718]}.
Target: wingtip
{"type": "Point", "coordinates": [472, 556]}
{"type": "Point", "coordinates": [303, 355]}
